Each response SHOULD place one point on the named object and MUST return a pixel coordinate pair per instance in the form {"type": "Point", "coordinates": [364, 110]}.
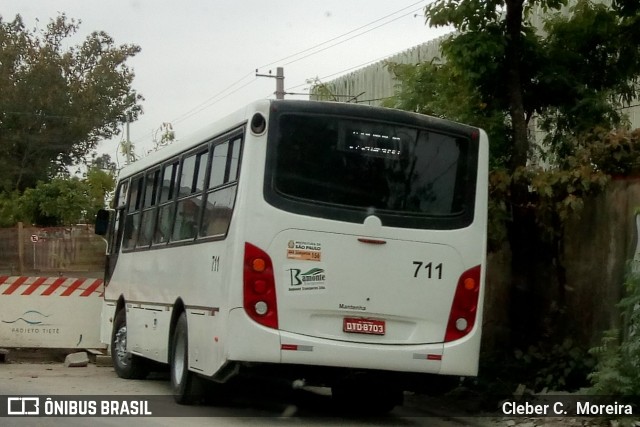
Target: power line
{"type": "Point", "coordinates": [204, 104]}
{"type": "Point", "coordinates": [207, 103]}
{"type": "Point", "coordinates": [223, 93]}
{"type": "Point", "coordinates": [342, 35]}
{"type": "Point", "coordinates": [351, 38]}
{"type": "Point", "coordinates": [337, 73]}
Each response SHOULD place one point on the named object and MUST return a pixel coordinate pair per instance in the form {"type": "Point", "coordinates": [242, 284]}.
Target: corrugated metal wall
{"type": "Point", "coordinates": [374, 83]}
{"type": "Point", "coordinates": [634, 115]}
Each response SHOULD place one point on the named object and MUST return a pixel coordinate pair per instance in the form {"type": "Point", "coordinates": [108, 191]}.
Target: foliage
{"type": "Point", "coordinates": [103, 162]}
{"type": "Point", "coordinates": [616, 153]}
{"type": "Point", "coordinates": [567, 75]}
{"type": "Point", "coordinates": [66, 201]}
{"type": "Point", "coordinates": [321, 91]}
{"type": "Point", "coordinates": [58, 101]}
{"type": "Point", "coordinates": [558, 194]}
{"type": "Point", "coordinates": [163, 136]}
{"type": "Point", "coordinates": [590, 68]}
{"type": "Point", "coordinates": [498, 210]}
{"type": "Point", "coordinates": [9, 209]}
{"type": "Point", "coordinates": [441, 90]}
{"type": "Point", "coordinates": [560, 366]}
{"type": "Point", "coordinates": [489, 48]}
{"type": "Point", "coordinates": [61, 201]}
{"type": "Point", "coordinates": [618, 370]}
{"type": "Point", "coordinates": [100, 185]}
{"type": "Point", "coordinates": [58, 202]}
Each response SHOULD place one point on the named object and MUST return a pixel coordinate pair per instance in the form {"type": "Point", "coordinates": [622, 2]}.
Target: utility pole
{"type": "Point", "coordinates": [127, 147]}
{"type": "Point", "coordinates": [279, 81]}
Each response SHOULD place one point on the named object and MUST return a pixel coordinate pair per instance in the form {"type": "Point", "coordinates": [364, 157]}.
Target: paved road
{"type": "Point", "coordinates": [260, 403]}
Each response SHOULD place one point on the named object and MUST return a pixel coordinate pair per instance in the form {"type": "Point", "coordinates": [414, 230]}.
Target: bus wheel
{"type": "Point", "coordinates": [187, 387]}
{"type": "Point", "coordinates": [125, 364]}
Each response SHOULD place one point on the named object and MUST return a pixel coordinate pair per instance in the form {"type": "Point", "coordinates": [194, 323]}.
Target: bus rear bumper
{"type": "Point", "coordinates": [297, 349]}
{"type": "Point", "coordinates": [255, 343]}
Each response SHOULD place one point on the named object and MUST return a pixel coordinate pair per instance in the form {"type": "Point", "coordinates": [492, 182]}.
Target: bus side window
{"type": "Point", "coordinates": [132, 221]}
{"type": "Point", "coordinates": [119, 202]}
{"type": "Point", "coordinates": [148, 221]}
{"type": "Point", "coordinates": [220, 198]}
{"type": "Point", "coordinates": [190, 196]}
{"type": "Point", "coordinates": [165, 202]}
{"type": "Point", "coordinates": [217, 215]}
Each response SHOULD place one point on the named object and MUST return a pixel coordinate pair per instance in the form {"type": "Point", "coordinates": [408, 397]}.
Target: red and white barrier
{"type": "Point", "coordinates": [50, 312]}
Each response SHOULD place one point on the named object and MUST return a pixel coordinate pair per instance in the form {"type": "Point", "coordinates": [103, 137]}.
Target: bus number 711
{"type": "Point", "coordinates": [432, 272]}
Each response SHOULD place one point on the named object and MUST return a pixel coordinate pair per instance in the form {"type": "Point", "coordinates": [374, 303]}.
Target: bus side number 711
{"type": "Point", "coordinates": [428, 269]}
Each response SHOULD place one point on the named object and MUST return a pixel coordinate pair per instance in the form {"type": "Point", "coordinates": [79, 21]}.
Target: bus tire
{"type": "Point", "coordinates": [126, 365]}
{"type": "Point", "coordinates": [187, 387]}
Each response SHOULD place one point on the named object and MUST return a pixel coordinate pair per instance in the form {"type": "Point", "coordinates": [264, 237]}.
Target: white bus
{"type": "Point", "coordinates": [339, 243]}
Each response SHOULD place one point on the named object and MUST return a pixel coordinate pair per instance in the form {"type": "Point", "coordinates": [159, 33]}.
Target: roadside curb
{"type": "Point", "coordinates": [51, 355]}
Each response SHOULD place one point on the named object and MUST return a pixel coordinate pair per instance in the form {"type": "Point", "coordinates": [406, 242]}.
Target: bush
{"type": "Point", "coordinates": [618, 370]}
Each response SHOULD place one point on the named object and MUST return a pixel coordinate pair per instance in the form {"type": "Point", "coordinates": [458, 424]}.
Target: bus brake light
{"type": "Point", "coordinates": [259, 288]}
{"type": "Point", "coordinates": [464, 309]}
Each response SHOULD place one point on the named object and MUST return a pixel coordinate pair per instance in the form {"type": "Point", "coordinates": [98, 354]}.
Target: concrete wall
{"type": "Point", "coordinates": [598, 248]}
{"type": "Point", "coordinates": [50, 312]}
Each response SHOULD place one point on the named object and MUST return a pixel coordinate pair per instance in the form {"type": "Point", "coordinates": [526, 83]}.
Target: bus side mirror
{"type": "Point", "coordinates": [102, 222]}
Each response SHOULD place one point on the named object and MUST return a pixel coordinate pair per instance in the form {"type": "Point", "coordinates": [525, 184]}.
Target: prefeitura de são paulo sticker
{"type": "Point", "coordinates": [304, 251]}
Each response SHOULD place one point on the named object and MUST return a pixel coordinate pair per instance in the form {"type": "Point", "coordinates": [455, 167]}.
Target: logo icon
{"type": "Point", "coordinates": [30, 317]}
{"type": "Point", "coordinates": [23, 406]}
{"type": "Point", "coordinates": [315, 275]}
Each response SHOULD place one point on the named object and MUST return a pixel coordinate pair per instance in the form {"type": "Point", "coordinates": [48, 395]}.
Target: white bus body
{"type": "Point", "coordinates": [321, 237]}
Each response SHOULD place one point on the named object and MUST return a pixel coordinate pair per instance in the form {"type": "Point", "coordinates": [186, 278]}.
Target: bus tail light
{"type": "Point", "coordinates": [464, 309]}
{"type": "Point", "coordinates": [259, 287]}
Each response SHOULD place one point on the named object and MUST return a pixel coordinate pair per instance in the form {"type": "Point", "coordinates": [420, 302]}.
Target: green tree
{"type": "Point", "coordinates": [104, 163]}
{"type": "Point", "coordinates": [163, 136]}
{"type": "Point", "coordinates": [439, 89]}
{"type": "Point", "coordinates": [589, 68]}
{"type": "Point", "coordinates": [9, 209]}
{"type": "Point", "coordinates": [101, 184]}
{"type": "Point", "coordinates": [63, 200]}
{"type": "Point", "coordinates": [57, 101]}
{"type": "Point", "coordinates": [573, 75]}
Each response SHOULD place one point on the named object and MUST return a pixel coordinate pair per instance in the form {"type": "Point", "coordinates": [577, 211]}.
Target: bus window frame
{"type": "Point", "coordinates": [310, 207]}
{"type": "Point", "coordinates": [232, 136]}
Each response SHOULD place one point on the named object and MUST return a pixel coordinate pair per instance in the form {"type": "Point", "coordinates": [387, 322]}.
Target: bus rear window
{"type": "Point", "coordinates": [343, 165]}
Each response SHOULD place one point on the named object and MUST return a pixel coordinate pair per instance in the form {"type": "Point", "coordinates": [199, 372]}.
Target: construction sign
{"type": "Point", "coordinates": [50, 312]}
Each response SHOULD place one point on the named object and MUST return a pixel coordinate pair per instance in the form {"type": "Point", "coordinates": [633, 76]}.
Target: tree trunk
{"type": "Point", "coordinates": [520, 235]}
{"type": "Point", "coordinates": [514, 84]}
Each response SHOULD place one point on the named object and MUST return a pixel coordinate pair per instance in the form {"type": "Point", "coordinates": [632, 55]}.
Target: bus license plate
{"type": "Point", "coordinates": [363, 326]}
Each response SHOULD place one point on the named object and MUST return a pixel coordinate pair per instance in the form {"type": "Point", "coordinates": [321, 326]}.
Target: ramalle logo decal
{"type": "Point", "coordinates": [313, 279]}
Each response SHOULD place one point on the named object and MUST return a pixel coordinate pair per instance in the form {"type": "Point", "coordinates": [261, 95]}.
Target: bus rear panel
{"type": "Point", "coordinates": [369, 237]}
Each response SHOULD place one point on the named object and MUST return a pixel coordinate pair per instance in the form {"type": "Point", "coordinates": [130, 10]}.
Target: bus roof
{"type": "Point", "coordinates": [215, 127]}
{"type": "Point", "coordinates": [241, 116]}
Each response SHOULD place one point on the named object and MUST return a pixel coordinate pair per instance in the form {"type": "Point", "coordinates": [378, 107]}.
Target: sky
{"type": "Point", "coordinates": [198, 58]}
